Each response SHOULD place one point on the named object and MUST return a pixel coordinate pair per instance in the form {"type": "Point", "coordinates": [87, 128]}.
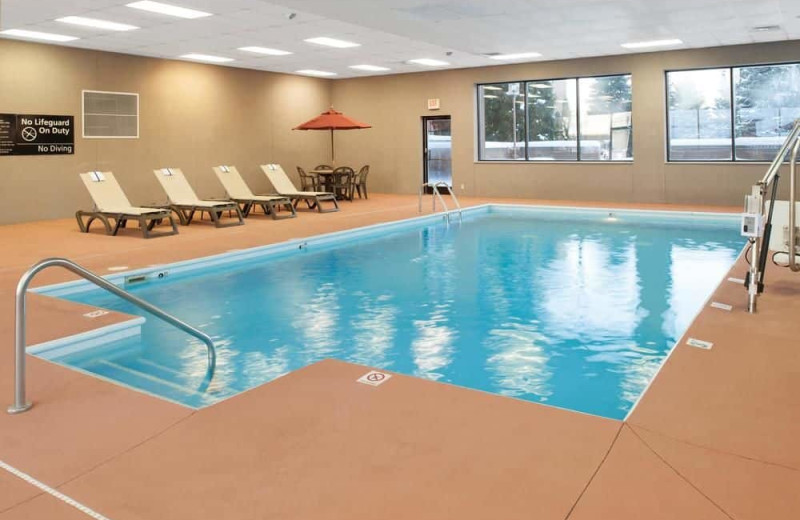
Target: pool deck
{"type": "Point", "coordinates": [716, 436]}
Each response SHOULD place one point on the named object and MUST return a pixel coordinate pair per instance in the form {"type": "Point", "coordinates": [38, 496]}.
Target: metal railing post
{"type": "Point", "coordinates": [793, 209]}
{"type": "Point", "coordinates": [21, 404]}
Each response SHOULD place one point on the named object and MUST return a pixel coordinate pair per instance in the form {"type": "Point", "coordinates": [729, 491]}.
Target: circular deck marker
{"type": "Point", "coordinates": [374, 378]}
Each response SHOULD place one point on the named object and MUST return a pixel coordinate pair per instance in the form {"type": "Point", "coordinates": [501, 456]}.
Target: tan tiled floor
{"type": "Point", "coordinates": [716, 436]}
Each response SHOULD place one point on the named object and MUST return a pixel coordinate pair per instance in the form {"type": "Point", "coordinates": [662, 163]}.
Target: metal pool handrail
{"type": "Point", "coordinates": [438, 194]}
{"type": "Point", "coordinates": [20, 404]}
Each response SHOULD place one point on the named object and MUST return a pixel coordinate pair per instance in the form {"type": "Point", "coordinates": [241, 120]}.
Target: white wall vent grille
{"type": "Point", "coordinates": [110, 115]}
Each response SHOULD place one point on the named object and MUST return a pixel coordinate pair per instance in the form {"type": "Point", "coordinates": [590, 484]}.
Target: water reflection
{"type": "Point", "coordinates": [433, 345]}
{"type": "Point", "coordinates": [317, 322]}
{"type": "Point", "coordinates": [590, 291]}
{"type": "Point", "coordinates": [695, 270]}
{"type": "Point", "coordinates": [374, 330]}
{"type": "Point", "coordinates": [519, 360]}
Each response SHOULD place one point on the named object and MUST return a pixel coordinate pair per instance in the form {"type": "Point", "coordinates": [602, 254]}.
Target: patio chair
{"type": "Point", "coordinates": [239, 192]}
{"type": "Point", "coordinates": [308, 182]}
{"type": "Point", "coordinates": [185, 203]}
{"type": "Point", "coordinates": [283, 186]}
{"type": "Point", "coordinates": [360, 183]}
{"type": "Point", "coordinates": [343, 186]}
{"type": "Point", "coordinates": [111, 204]}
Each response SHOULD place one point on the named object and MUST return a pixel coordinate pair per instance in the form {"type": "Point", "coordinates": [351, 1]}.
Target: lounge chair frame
{"type": "Point", "coordinates": [146, 217]}
{"type": "Point", "coordinates": [239, 193]}
{"type": "Point", "coordinates": [313, 199]}
{"type": "Point", "coordinates": [178, 188]}
{"type": "Point", "coordinates": [186, 213]}
{"type": "Point", "coordinates": [146, 221]}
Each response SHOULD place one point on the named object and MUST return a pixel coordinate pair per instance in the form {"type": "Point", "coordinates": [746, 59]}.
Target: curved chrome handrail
{"type": "Point", "coordinates": [20, 403]}
{"type": "Point", "coordinates": [438, 195]}
{"type": "Point", "coordinates": [793, 265]}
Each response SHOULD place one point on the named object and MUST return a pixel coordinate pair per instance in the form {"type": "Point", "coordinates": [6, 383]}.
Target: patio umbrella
{"type": "Point", "coordinates": [332, 120]}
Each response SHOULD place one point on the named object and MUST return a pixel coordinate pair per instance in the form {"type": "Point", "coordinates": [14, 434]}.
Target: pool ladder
{"type": "Point", "coordinates": [438, 195]}
{"type": "Point", "coordinates": [20, 402]}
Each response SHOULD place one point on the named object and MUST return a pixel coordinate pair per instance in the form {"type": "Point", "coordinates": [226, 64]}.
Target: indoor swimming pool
{"type": "Point", "coordinates": [574, 308]}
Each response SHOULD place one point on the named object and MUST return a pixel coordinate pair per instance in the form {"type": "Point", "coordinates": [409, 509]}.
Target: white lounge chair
{"type": "Point", "coordinates": [184, 201]}
{"type": "Point", "coordinates": [110, 203]}
{"type": "Point", "coordinates": [284, 186]}
{"type": "Point", "coordinates": [239, 192]}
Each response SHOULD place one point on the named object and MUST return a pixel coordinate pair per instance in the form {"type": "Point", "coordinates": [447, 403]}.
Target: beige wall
{"type": "Point", "coordinates": [192, 116]}
{"type": "Point", "coordinates": [395, 104]}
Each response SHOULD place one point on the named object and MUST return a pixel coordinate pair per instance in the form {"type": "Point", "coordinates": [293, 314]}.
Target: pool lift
{"type": "Point", "coordinates": [757, 221]}
{"type": "Point", "coordinates": [436, 194]}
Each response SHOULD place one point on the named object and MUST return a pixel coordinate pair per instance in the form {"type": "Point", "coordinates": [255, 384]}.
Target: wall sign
{"type": "Point", "coordinates": [33, 134]}
{"type": "Point", "coordinates": [433, 104]}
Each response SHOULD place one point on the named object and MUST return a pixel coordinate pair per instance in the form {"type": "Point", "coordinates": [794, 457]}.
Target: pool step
{"type": "Point", "coordinates": [152, 368]}
{"type": "Point", "coordinates": [146, 378]}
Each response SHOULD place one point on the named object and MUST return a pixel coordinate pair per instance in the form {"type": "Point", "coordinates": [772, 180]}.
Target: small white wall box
{"type": "Point", "coordinates": [751, 225]}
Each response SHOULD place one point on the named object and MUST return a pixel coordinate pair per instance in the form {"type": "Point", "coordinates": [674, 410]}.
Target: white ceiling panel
{"type": "Point", "coordinates": [461, 32]}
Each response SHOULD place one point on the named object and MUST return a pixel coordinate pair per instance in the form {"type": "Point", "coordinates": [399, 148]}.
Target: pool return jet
{"type": "Point", "coordinates": [758, 216]}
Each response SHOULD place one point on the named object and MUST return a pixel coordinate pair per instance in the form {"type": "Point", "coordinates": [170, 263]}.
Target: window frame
{"type": "Point", "coordinates": [730, 69]}
{"type": "Point", "coordinates": [527, 159]}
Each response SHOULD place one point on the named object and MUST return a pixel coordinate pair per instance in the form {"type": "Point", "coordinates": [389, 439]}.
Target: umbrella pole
{"type": "Point", "coordinates": [333, 151]}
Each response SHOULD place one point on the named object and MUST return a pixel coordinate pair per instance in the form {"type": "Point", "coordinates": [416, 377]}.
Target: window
{"type": "Point", "coordinates": [732, 113]}
{"type": "Point", "coordinates": [606, 118]}
{"type": "Point", "coordinates": [767, 102]}
{"type": "Point", "coordinates": [552, 112]}
{"type": "Point", "coordinates": [503, 109]}
{"type": "Point", "coordinates": [569, 119]}
{"type": "Point", "coordinates": [110, 115]}
{"type": "Point", "coordinates": [700, 115]}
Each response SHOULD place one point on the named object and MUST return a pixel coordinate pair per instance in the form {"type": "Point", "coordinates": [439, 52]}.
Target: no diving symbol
{"type": "Point", "coordinates": [374, 378]}
{"type": "Point", "coordinates": [29, 133]}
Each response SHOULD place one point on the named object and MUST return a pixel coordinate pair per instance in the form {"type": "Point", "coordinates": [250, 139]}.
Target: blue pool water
{"type": "Point", "coordinates": [571, 309]}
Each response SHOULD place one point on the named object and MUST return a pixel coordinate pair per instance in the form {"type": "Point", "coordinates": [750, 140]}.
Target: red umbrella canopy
{"type": "Point", "coordinates": [332, 120]}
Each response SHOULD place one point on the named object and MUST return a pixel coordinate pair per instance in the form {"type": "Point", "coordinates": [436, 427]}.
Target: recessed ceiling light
{"type": "Point", "coordinates": [36, 35]}
{"type": "Point", "coordinates": [371, 68]}
{"type": "Point", "coordinates": [429, 62]}
{"type": "Point", "coordinates": [766, 28]}
{"type": "Point", "coordinates": [97, 24]}
{"type": "Point", "coordinates": [206, 57]}
{"type": "Point", "coordinates": [516, 56]}
{"type": "Point", "coordinates": [490, 96]}
{"type": "Point", "coordinates": [332, 42]}
{"type": "Point", "coordinates": [312, 72]}
{"type": "Point", "coordinates": [491, 87]}
{"type": "Point", "coordinates": [653, 43]}
{"type": "Point", "coordinates": [541, 85]}
{"type": "Point", "coordinates": [265, 50]}
{"type": "Point", "coordinates": [167, 9]}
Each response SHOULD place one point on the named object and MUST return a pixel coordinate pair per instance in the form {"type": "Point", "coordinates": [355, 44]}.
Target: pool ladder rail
{"type": "Point", "coordinates": [757, 220]}
{"type": "Point", "coordinates": [438, 195]}
{"type": "Point", "coordinates": [20, 401]}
